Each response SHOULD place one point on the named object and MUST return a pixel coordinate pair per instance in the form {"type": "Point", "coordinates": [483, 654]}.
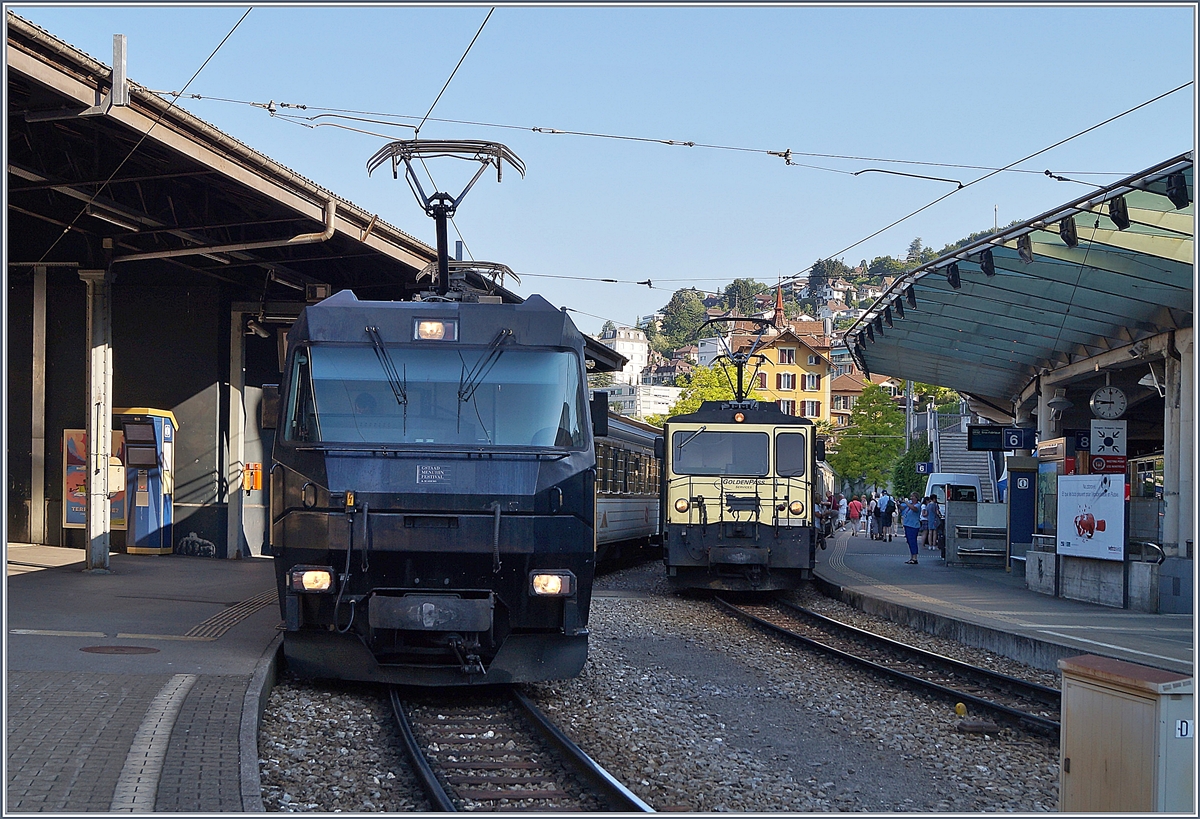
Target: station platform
{"type": "Point", "coordinates": [993, 609]}
{"type": "Point", "coordinates": [135, 690]}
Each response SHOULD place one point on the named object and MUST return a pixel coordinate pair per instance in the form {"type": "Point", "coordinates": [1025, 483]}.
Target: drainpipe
{"type": "Point", "coordinates": [302, 239]}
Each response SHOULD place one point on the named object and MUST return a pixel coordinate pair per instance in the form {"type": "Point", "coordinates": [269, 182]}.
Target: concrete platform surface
{"type": "Point", "coordinates": [136, 689]}
{"type": "Point", "coordinates": [993, 609]}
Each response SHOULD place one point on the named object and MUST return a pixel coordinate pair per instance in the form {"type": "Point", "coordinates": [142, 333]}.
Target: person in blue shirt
{"type": "Point", "coordinates": [910, 516]}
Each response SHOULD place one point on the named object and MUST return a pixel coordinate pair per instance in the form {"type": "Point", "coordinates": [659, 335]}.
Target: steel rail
{"type": "Point", "coordinates": [619, 797]}
{"type": "Point", "coordinates": [1038, 723]}
{"type": "Point", "coordinates": [1042, 693]}
{"type": "Point", "coordinates": [438, 798]}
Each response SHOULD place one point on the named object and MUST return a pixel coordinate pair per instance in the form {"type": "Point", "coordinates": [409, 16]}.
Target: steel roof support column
{"type": "Point", "coordinates": [99, 416]}
{"type": "Point", "coordinates": [1178, 446]}
{"type": "Point", "coordinates": [235, 537]}
{"type": "Point", "coordinates": [37, 477]}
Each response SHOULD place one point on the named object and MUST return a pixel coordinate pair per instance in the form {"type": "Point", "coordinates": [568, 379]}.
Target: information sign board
{"type": "Point", "coordinates": [1020, 437]}
{"type": "Point", "coordinates": [925, 468]}
{"type": "Point", "coordinates": [1091, 516]}
{"type": "Point", "coordinates": [981, 438]}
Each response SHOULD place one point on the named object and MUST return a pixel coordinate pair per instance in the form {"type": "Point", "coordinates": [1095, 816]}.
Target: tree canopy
{"type": "Point", "coordinates": [739, 295]}
{"type": "Point", "coordinates": [682, 317]}
{"type": "Point", "coordinates": [702, 384]}
{"type": "Point", "coordinates": [874, 440]}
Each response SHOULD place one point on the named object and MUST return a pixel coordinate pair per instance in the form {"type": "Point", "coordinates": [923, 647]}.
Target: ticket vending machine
{"type": "Point", "coordinates": [150, 479]}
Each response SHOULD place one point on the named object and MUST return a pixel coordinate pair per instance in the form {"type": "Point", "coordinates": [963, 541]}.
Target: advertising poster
{"type": "Point", "coordinates": [1091, 516]}
{"type": "Point", "coordinates": [75, 480]}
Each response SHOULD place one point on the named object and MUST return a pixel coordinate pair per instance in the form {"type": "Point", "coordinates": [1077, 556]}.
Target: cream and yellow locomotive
{"type": "Point", "coordinates": [740, 484]}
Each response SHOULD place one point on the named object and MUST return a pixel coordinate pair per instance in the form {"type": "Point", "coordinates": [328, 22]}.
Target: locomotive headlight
{"type": "Point", "coordinates": [682, 505]}
{"type": "Point", "coordinates": [796, 508]}
{"type": "Point", "coordinates": [435, 330]}
{"type": "Point", "coordinates": [552, 584]}
{"type": "Point", "coordinates": [311, 579]}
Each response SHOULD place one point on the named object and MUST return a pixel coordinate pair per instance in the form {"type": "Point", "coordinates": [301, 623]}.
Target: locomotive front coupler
{"type": "Point", "coordinates": [470, 663]}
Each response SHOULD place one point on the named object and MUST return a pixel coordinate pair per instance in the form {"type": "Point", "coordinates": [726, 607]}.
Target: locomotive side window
{"type": "Point", "coordinates": [790, 454]}
{"type": "Point", "coordinates": [719, 453]}
{"type": "Point", "coordinates": [302, 414]}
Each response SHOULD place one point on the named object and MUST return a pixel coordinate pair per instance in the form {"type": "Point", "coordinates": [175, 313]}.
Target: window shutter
{"type": "Point", "coordinates": [817, 409]}
{"type": "Point", "coordinates": [817, 381]}
{"type": "Point", "coordinates": [779, 381]}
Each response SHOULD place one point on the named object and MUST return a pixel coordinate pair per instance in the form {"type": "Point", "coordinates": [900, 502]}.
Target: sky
{"type": "Point", "coordinates": [963, 89]}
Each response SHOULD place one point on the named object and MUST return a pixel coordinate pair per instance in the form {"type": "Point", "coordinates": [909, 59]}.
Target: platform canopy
{"type": "Point", "coordinates": [1098, 273]}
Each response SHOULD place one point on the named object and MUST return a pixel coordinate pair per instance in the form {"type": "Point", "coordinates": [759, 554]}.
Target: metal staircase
{"type": "Point", "coordinates": [948, 437]}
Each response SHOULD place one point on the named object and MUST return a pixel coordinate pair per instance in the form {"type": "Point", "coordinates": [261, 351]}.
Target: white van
{"type": "Point", "coordinates": [958, 486]}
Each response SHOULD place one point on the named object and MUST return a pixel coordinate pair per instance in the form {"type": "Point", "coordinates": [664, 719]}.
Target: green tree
{"type": "Point", "coordinates": [715, 383]}
{"type": "Point", "coordinates": [608, 326]}
{"type": "Point", "coordinates": [874, 439]}
{"type": "Point", "coordinates": [905, 479]}
{"type": "Point", "coordinates": [597, 380]}
{"type": "Point", "coordinates": [882, 266]}
{"type": "Point", "coordinates": [739, 295]}
{"type": "Point", "coordinates": [682, 317]}
{"type": "Point", "coordinates": [924, 394]}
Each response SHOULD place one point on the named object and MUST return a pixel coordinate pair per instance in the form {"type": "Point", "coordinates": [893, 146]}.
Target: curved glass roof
{"type": "Point", "coordinates": [1095, 274]}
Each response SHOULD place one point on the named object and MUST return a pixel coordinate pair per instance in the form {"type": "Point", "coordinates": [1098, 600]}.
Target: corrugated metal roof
{"type": "Point", "coordinates": [1095, 274]}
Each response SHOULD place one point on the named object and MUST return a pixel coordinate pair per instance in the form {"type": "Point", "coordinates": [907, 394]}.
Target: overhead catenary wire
{"type": "Point", "coordinates": [371, 117]}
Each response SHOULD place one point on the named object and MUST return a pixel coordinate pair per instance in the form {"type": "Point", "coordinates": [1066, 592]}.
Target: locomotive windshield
{"type": "Point", "coordinates": [459, 397]}
{"type": "Point", "coordinates": [719, 453]}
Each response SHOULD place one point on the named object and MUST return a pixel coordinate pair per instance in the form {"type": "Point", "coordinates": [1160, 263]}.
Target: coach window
{"type": "Point", "coordinates": [790, 454]}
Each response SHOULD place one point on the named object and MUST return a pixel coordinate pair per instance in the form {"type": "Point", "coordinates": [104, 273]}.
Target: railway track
{"type": "Point", "coordinates": [498, 752]}
{"type": "Point", "coordinates": [999, 696]}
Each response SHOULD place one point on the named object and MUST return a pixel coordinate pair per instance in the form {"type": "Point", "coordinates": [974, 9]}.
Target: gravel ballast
{"type": "Point", "coordinates": [696, 711]}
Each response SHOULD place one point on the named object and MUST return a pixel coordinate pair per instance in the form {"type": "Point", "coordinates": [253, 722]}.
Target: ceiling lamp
{"type": "Point", "coordinates": [1118, 211]}
{"type": "Point", "coordinates": [1025, 248]}
{"type": "Point", "coordinates": [1177, 190]}
{"type": "Point", "coordinates": [952, 275]}
{"type": "Point", "coordinates": [1068, 233]}
{"type": "Point", "coordinates": [987, 262]}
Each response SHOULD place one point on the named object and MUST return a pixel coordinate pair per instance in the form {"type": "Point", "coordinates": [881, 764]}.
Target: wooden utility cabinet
{"type": "Point", "coordinates": [1128, 738]}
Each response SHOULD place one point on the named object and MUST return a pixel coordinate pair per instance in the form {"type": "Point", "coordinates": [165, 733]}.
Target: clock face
{"type": "Point", "coordinates": [1108, 402]}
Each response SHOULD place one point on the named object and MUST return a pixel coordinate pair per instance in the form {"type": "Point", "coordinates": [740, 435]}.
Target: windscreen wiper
{"type": "Point", "coordinates": [470, 381]}
{"type": "Point", "coordinates": [399, 387]}
{"type": "Point", "coordinates": [689, 439]}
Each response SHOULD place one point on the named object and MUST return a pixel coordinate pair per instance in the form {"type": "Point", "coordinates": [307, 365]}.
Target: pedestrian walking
{"type": "Point", "coordinates": [887, 508]}
{"type": "Point", "coordinates": [843, 508]}
{"type": "Point", "coordinates": [855, 510]}
{"type": "Point", "coordinates": [910, 517]}
{"type": "Point", "coordinates": [923, 531]}
{"type": "Point", "coordinates": [936, 523]}
{"type": "Point", "coordinates": [871, 515]}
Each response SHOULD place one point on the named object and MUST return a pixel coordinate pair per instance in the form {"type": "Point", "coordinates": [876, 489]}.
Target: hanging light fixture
{"type": "Point", "coordinates": [910, 296]}
{"type": "Point", "coordinates": [1025, 248]}
{"type": "Point", "coordinates": [879, 325]}
{"type": "Point", "coordinates": [1118, 211]}
{"type": "Point", "coordinates": [952, 276]}
{"type": "Point", "coordinates": [988, 262]}
{"type": "Point", "coordinates": [1177, 190]}
{"type": "Point", "coordinates": [887, 316]}
{"type": "Point", "coordinates": [899, 305]}
{"type": "Point", "coordinates": [870, 334]}
{"type": "Point", "coordinates": [1068, 233]}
